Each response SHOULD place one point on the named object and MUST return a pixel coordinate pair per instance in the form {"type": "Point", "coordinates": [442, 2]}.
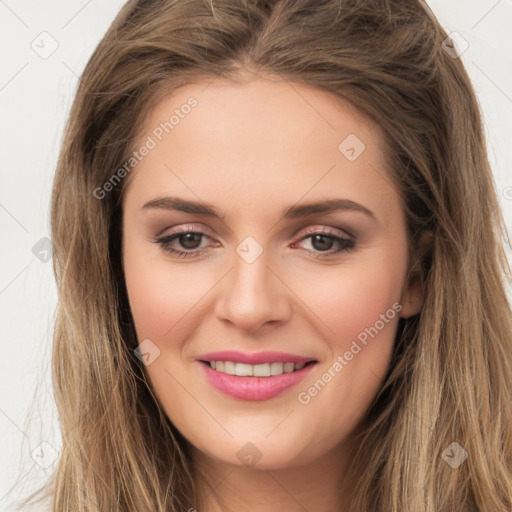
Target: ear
{"type": "Point", "coordinates": [413, 292]}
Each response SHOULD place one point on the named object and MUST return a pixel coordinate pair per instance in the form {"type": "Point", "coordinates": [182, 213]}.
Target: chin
{"type": "Point", "coordinates": [262, 455]}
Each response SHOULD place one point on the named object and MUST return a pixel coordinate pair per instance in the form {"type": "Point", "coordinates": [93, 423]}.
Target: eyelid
{"type": "Point", "coordinates": [332, 231]}
{"type": "Point", "coordinates": [182, 228]}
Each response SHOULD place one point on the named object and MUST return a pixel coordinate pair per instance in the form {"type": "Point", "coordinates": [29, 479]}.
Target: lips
{"type": "Point", "coordinates": [238, 374]}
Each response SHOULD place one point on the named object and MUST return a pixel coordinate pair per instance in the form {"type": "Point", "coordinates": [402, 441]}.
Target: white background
{"type": "Point", "coordinates": [35, 97]}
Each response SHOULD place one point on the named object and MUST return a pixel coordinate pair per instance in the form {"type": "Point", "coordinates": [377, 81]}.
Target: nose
{"type": "Point", "coordinates": [253, 296]}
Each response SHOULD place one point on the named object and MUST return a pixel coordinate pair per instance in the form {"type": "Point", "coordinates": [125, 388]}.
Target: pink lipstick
{"type": "Point", "coordinates": [257, 376]}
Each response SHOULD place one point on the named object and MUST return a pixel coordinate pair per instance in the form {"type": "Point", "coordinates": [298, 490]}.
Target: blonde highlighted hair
{"type": "Point", "coordinates": [450, 380]}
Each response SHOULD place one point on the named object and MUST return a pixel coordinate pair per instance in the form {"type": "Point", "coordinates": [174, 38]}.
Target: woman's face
{"type": "Point", "coordinates": [300, 302]}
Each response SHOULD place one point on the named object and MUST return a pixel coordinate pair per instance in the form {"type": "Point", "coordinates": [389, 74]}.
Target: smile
{"type": "Point", "coordinates": [260, 376]}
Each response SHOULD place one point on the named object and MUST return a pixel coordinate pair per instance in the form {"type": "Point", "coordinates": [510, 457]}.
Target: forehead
{"type": "Point", "coordinates": [257, 106]}
{"type": "Point", "coordinates": [257, 139]}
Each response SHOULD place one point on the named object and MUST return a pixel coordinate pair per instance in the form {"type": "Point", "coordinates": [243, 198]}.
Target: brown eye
{"type": "Point", "coordinates": [323, 241]}
{"type": "Point", "coordinates": [190, 240]}
{"type": "Point", "coordinates": [185, 243]}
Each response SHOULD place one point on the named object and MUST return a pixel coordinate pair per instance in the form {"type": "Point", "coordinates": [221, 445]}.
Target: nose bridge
{"type": "Point", "coordinates": [252, 295]}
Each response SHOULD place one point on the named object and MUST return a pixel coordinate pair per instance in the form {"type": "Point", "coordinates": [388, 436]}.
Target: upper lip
{"type": "Point", "coordinates": [254, 358]}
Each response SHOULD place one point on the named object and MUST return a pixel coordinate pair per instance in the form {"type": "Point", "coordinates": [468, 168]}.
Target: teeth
{"type": "Point", "coordinates": [261, 370]}
{"type": "Point", "coordinates": [289, 367]}
{"type": "Point", "coordinates": [255, 370]}
{"type": "Point", "coordinates": [276, 368]}
{"type": "Point", "coordinates": [229, 367]}
{"type": "Point", "coordinates": [243, 370]}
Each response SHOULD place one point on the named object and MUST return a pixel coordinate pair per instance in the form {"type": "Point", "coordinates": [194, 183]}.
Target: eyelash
{"type": "Point", "coordinates": [346, 244]}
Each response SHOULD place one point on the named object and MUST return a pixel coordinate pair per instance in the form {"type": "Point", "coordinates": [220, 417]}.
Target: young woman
{"type": "Point", "coordinates": [280, 265]}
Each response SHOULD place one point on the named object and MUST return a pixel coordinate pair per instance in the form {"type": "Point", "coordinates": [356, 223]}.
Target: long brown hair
{"type": "Point", "coordinates": [450, 380]}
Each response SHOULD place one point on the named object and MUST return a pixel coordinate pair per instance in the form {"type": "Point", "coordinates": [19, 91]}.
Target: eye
{"type": "Point", "coordinates": [323, 240]}
{"type": "Point", "coordinates": [189, 240]}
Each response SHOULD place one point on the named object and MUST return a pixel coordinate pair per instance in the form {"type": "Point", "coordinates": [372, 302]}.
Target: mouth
{"type": "Point", "coordinates": [254, 378]}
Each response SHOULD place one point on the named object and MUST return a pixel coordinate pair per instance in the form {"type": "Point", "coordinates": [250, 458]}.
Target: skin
{"type": "Point", "coordinates": [252, 149]}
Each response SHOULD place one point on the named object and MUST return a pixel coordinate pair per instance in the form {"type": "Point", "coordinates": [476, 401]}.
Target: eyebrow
{"type": "Point", "coordinates": [292, 212]}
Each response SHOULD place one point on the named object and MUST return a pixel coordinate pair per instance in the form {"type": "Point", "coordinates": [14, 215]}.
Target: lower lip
{"type": "Point", "coordinates": [254, 388]}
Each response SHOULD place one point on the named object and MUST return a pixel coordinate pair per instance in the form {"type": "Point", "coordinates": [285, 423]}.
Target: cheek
{"type": "Point", "coordinates": [163, 297]}
{"type": "Point", "coordinates": [361, 305]}
{"type": "Point", "coordinates": [354, 298]}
